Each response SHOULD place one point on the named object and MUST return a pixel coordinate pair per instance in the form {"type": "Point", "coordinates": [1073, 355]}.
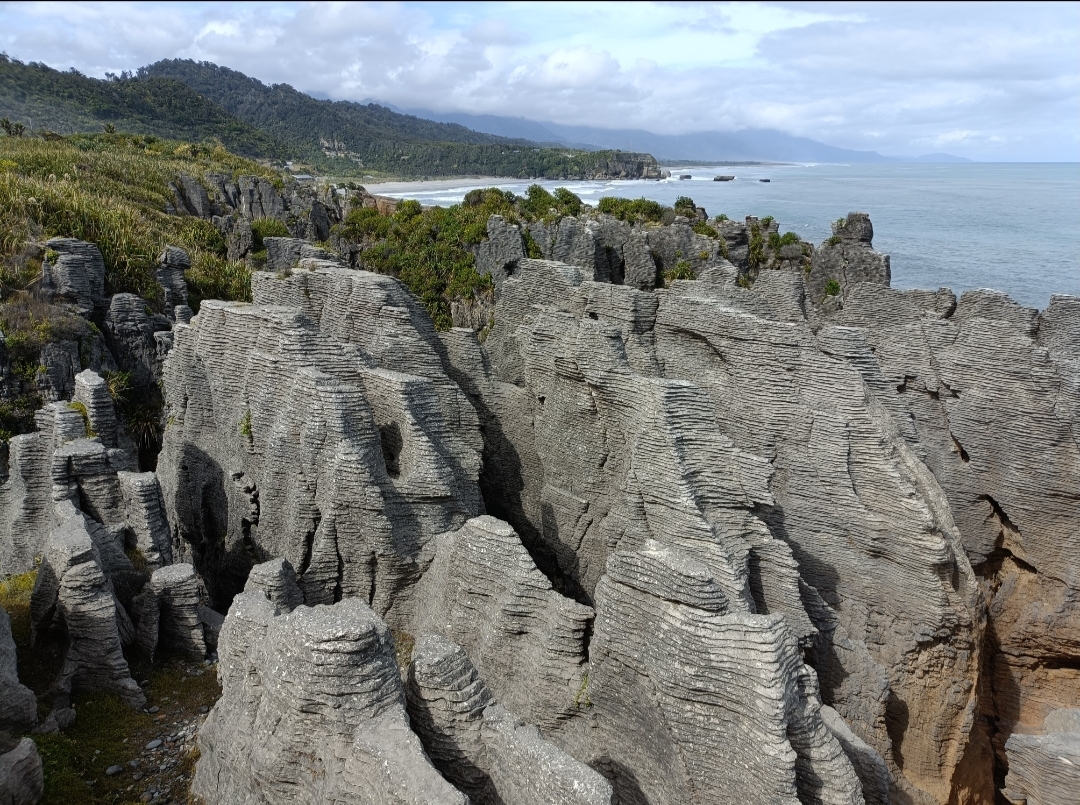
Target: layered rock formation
{"type": "Point", "coordinates": [312, 710]}
{"type": "Point", "coordinates": [781, 533]}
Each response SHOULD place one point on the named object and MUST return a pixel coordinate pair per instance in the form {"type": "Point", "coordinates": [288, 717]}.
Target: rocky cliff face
{"type": "Point", "coordinates": [745, 537]}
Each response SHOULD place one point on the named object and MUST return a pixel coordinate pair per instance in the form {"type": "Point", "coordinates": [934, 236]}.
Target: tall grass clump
{"type": "Point", "coordinates": [112, 190]}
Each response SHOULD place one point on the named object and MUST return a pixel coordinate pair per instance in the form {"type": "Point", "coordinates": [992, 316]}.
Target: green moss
{"type": "Point", "coordinates": [81, 410]}
{"type": "Point", "coordinates": [581, 698]}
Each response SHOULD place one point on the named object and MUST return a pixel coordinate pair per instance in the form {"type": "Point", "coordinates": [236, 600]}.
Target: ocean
{"type": "Point", "coordinates": [1010, 226]}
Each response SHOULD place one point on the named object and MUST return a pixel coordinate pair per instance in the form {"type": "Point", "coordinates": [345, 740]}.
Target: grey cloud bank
{"type": "Point", "coordinates": [991, 82]}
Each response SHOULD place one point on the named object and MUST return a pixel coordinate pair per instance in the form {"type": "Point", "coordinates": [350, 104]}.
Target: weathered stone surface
{"type": "Point", "coordinates": [1045, 769]}
{"type": "Point", "coordinates": [259, 199]}
{"type": "Point", "coordinates": [76, 275]}
{"type": "Point", "coordinates": [483, 592]}
{"type": "Point", "coordinates": [93, 392]}
{"type": "Point", "coordinates": [18, 707]}
{"type": "Point", "coordinates": [848, 258]}
{"type": "Point", "coordinates": [26, 514]}
{"type": "Point", "coordinates": [72, 594]}
{"type": "Point", "coordinates": [285, 254]}
{"type": "Point", "coordinates": [144, 514]}
{"type": "Point", "coordinates": [868, 764]}
{"type": "Point", "coordinates": [326, 433]}
{"type": "Point", "coordinates": [312, 710]}
{"type": "Point", "coordinates": [180, 627]}
{"type": "Point", "coordinates": [487, 752]}
{"type": "Point", "coordinates": [131, 331]}
{"type": "Point", "coordinates": [21, 781]}
{"type": "Point", "coordinates": [172, 264]}
{"type": "Point", "coordinates": [276, 580]}
{"type": "Point", "coordinates": [498, 255]}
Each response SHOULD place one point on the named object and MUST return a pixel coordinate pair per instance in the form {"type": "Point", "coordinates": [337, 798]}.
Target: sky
{"type": "Point", "coordinates": [987, 81]}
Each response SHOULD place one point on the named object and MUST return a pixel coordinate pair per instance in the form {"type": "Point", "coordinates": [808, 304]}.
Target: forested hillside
{"type": "Point", "coordinates": [68, 102]}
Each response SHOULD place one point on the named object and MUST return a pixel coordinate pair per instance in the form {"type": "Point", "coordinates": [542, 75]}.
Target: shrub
{"type": "Point", "coordinates": [703, 228]}
{"type": "Point", "coordinates": [834, 240]}
{"type": "Point", "coordinates": [682, 270]}
{"type": "Point", "coordinates": [640, 210]}
{"type": "Point", "coordinates": [266, 228]}
{"type": "Point", "coordinates": [832, 288]}
{"type": "Point", "coordinates": [684, 205]}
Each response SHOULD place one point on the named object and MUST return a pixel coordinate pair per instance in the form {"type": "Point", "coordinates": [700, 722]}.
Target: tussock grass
{"type": "Point", "coordinates": [111, 190]}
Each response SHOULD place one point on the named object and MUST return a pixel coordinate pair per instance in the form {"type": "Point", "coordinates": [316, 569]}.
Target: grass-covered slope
{"type": "Point", "coordinates": [67, 102]}
{"type": "Point", "coordinates": [111, 190]}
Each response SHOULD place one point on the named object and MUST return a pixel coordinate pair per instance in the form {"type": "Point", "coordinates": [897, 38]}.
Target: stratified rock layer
{"type": "Point", "coordinates": [312, 710]}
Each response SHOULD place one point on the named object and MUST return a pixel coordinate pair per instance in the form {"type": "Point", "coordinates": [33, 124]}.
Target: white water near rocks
{"type": "Point", "coordinates": [1013, 227]}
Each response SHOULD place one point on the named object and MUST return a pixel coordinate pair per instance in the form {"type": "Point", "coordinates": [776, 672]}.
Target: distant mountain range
{"type": "Point", "coordinates": [759, 145]}
{"type": "Point", "coordinates": [187, 100]}
{"type": "Point", "coordinates": [184, 99]}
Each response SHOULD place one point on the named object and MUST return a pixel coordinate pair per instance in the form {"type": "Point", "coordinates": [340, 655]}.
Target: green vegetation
{"type": "Point", "coordinates": [108, 731]}
{"type": "Point", "coordinates": [429, 250]}
{"type": "Point", "coordinates": [112, 190]}
{"type": "Point", "coordinates": [581, 698]}
{"type": "Point", "coordinates": [776, 240]}
{"type": "Point", "coordinates": [834, 240]}
{"type": "Point", "coordinates": [756, 256]}
{"type": "Point", "coordinates": [684, 205]}
{"type": "Point", "coordinates": [68, 102]}
{"type": "Point", "coordinates": [682, 270]}
{"type": "Point", "coordinates": [832, 288]}
{"type": "Point", "coordinates": [703, 228]}
{"type": "Point", "coordinates": [266, 228]}
{"type": "Point", "coordinates": [245, 425]}
{"type": "Point", "coordinates": [403, 648]}
{"type": "Point", "coordinates": [640, 210]}
{"type": "Point", "coordinates": [80, 409]}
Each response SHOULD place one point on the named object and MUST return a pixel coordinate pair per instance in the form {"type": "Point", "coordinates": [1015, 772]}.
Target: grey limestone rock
{"type": "Point", "coordinates": [483, 592]}
{"type": "Point", "coordinates": [498, 255]}
{"type": "Point", "coordinates": [192, 197]}
{"type": "Point", "coordinates": [144, 515]}
{"type": "Point", "coordinates": [317, 425]}
{"type": "Point", "coordinates": [76, 275]}
{"type": "Point", "coordinates": [131, 330]}
{"type": "Point", "coordinates": [260, 199]}
{"type": "Point", "coordinates": [484, 750]}
{"type": "Point", "coordinates": [868, 763]}
{"type": "Point", "coordinates": [92, 392]}
{"type": "Point", "coordinates": [180, 626]}
{"type": "Point", "coordinates": [21, 780]}
{"type": "Point", "coordinates": [18, 707]}
{"type": "Point", "coordinates": [276, 580]}
{"type": "Point", "coordinates": [848, 258]}
{"type": "Point", "coordinates": [285, 254]}
{"type": "Point", "coordinates": [237, 233]}
{"type": "Point", "coordinates": [1045, 769]}
{"type": "Point", "coordinates": [73, 594]}
{"type": "Point", "coordinates": [172, 264]}
{"type": "Point", "coordinates": [312, 710]}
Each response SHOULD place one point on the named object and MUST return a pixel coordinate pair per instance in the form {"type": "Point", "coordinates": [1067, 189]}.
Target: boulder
{"type": "Point", "coordinates": [21, 780]}
{"type": "Point", "coordinates": [18, 706]}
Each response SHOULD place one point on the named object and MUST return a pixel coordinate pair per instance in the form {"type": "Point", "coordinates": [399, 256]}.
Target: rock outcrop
{"type": "Point", "coordinates": [21, 781]}
{"type": "Point", "coordinates": [312, 710]}
{"type": "Point", "coordinates": [318, 425]}
{"type": "Point", "coordinates": [1045, 769]}
{"type": "Point", "coordinates": [486, 751]}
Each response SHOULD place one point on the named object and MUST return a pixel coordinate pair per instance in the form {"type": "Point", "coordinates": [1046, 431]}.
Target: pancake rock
{"type": "Point", "coordinates": [72, 593]}
{"type": "Point", "coordinates": [753, 450]}
{"type": "Point", "coordinates": [487, 752]}
{"type": "Point", "coordinates": [320, 426]}
{"type": "Point", "coordinates": [312, 710]}
{"type": "Point", "coordinates": [18, 707]}
{"type": "Point", "coordinates": [1045, 769]}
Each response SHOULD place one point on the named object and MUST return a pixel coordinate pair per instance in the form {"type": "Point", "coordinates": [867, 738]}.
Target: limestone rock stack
{"type": "Point", "coordinates": [744, 538]}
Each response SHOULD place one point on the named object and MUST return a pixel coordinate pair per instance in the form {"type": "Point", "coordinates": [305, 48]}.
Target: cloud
{"type": "Point", "coordinates": [989, 81]}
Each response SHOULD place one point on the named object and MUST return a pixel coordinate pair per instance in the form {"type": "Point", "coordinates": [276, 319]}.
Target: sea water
{"type": "Point", "coordinates": [1014, 227]}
